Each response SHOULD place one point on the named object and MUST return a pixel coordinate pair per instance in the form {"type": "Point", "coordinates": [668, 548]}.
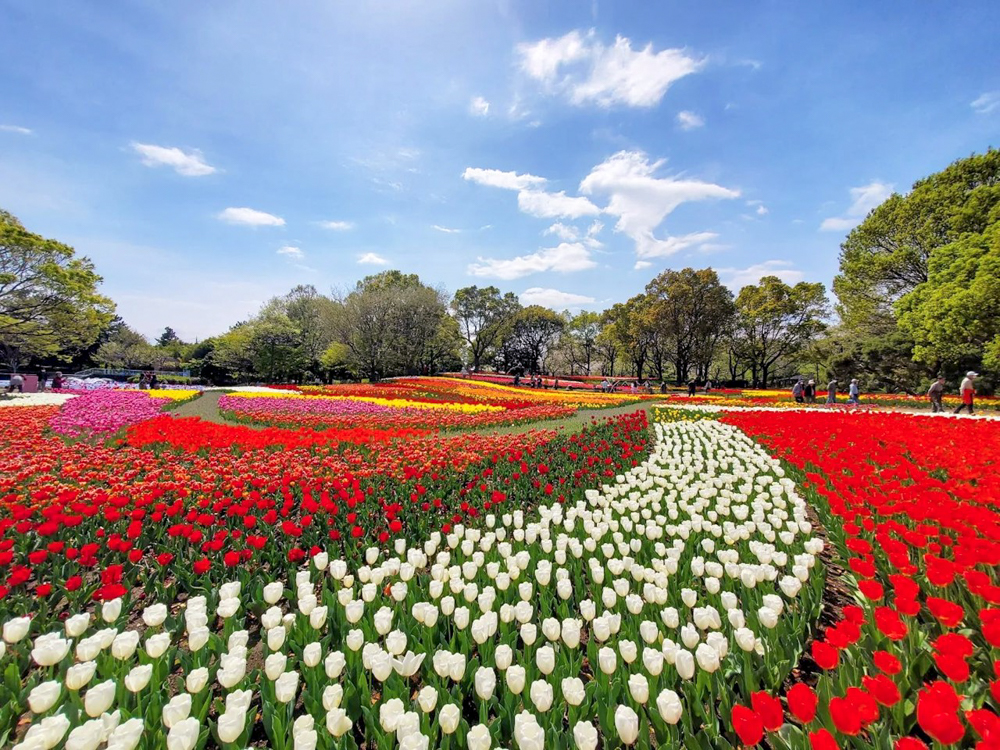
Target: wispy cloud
{"type": "Point", "coordinates": [290, 251]}
{"type": "Point", "coordinates": [986, 103]}
{"type": "Point", "coordinates": [566, 258]}
{"type": "Point", "coordinates": [16, 129]}
{"type": "Point", "coordinates": [863, 199]}
{"type": "Point", "coordinates": [737, 278]}
{"type": "Point", "coordinates": [250, 217]}
{"type": "Point", "coordinates": [499, 179]}
{"type": "Point", "coordinates": [446, 230]}
{"type": "Point", "coordinates": [479, 106]}
{"type": "Point", "coordinates": [554, 298]}
{"type": "Point", "coordinates": [187, 163]}
{"type": "Point", "coordinates": [588, 71]}
{"type": "Point", "coordinates": [337, 226]}
{"type": "Point", "coordinates": [689, 120]}
{"type": "Point", "coordinates": [372, 259]}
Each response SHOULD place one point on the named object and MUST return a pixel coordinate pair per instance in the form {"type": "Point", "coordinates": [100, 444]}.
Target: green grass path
{"type": "Point", "coordinates": [206, 407]}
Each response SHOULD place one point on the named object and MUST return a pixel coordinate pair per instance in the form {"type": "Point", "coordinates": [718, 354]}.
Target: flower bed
{"type": "Point", "coordinates": [635, 612]}
{"type": "Point", "coordinates": [99, 412]}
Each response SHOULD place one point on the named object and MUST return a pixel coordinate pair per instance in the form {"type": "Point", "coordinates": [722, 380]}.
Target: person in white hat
{"type": "Point", "coordinates": [968, 392]}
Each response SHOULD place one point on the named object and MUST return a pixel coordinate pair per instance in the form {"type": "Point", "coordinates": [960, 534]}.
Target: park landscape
{"type": "Point", "coordinates": [351, 509]}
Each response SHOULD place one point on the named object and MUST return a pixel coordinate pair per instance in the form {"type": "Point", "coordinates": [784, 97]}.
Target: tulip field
{"type": "Point", "coordinates": [378, 567]}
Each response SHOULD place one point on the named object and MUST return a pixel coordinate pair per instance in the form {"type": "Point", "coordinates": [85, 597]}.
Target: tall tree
{"type": "Point", "coordinates": [582, 332]}
{"type": "Point", "coordinates": [774, 321]}
{"type": "Point", "coordinates": [690, 310]}
{"type": "Point", "coordinates": [482, 315]}
{"type": "Point", "coordinates": [530, 338]}
{"type": "Point", "coordinates": [887, 255]}
{"type": "Point", "coordinates": [954, 316]}
{"type": "Point", "coordinates": [49, 303]}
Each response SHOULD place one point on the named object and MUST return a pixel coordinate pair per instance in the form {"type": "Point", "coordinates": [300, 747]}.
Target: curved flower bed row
{"type": "Point", "coordinates": [635, 613]}
{"type": "Point", "coordinates": [98, 412]}
{"type": "Point", "coordinates": [912, 507]}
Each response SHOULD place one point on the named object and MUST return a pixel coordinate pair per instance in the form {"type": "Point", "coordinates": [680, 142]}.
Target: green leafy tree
{"type": "Point", "coordinates": [954, 317]}
{"type": "Point", "coordinates": [49, 303]}
{"type": "Point", "coordinates": [888, 254]}
{"type": "Point", "coordinates": [774, 321]}
{"type": "Point", "coordinates": [530, 338]}
{"type": "Point", "coordinates": [690, 310]}
{"type": "Point", "coordinates": [126, 348]}
{"type": "Point", "coordinates": [483, 315]}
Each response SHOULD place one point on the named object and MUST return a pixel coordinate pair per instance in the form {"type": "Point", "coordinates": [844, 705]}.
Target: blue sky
{"type": "Point", "coordinates": [209, 155]}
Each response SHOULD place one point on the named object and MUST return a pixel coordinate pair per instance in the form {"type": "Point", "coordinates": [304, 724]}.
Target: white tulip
{"type": "Point", "coordinates": [99, 698]}
{"type": "Point", "coordinates": [177, 709]}
{"type": "Point", "coordinates": [49, 649]}
{"type": "Point", "coordinates": [16, 628]}
{"type": "Point", "coordinates": [44, 696]}
{"type": "Point", "coordinates": [80, 674]}
{"type": "Point", "coordinates": [585, 736]}
{"type": "Point", "coordinates": [515, 678]}
{"type": "Point", "coordinates": [274, 666]}
{"type": "Point", "coordinates": [337, 721]}
{"type": "Point", "coordinates": [77, 624]}
{"type": "Point", "coordinates": [334, 664]}
{"type": "Point", "coordinates": [231, 725]}
{"type": "Point", "coordinates": [196, 680]}
{"type": "Point", "coordinates": [627, 724]}
{"type": "Point", "coordinates": [138, 678]}
{"type": "Point", "coordinates": [541, 695]}
{"type": "Point", "coordinates": [668, 703]}
{"type": "Point", "coordinates": [478, 738]}
{"type": "Point", "coordinates": [545, 660]}
{"type": "Point", "coordinates": [427, 698]}
{"type": "Point", "coordinates": [111, 610]}
{"type": "Point", "coordinates": [684, 663]}
{"type": "Point", "coordinates": [485, 683]}
{"type": "Point", "coordinates": [448, 718]}
{"type": "Point", "coordinates": [312, 654]}
{"type": "Point", "coordinates": [157, 645]}
{"type": "Point", "coordinates": [183, 735]}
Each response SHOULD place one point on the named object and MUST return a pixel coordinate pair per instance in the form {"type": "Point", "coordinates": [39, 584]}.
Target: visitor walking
{"type": "Point", "coordinates": [854, 393]}
{"type": "Point", "coordinates": [691, 386]}
{"type": "Point", "coordinates": [708, 386]}
{"type": "Point", "coordinates": [810, 392]}
{"type": "Point", "coordinates": [143, 382]}
{"type": "Point", "coordinates": [154, 382]}
{"type": "Point", "coordinates": [16, 383]}
{"type": "Point", "coordinates": [797, 391]}
{"type": "Point", "coordinates": [831, 392]}
{"type": "Point", "coordinates": [935, 393]}
{"type": "Point", "coordinates": [43, 378]}
{"type": "Point", "coordinates": [968, 392]}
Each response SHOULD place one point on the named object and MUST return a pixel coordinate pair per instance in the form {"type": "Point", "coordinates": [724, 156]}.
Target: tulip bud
{"type": "Point", "coordinates": [485, 682]}
{"type": "Point", "coordinates": [137, 679]}
{"type": "Point", "coordinates": [541, 695]}
{"type": "Point", "coordinates": [99, 698]}
{"type": "Point", "coordinates": [515, 677]}
{"type": "Point", "coordinates": [42, 697]}
{"type": "Point", "coordinates": [80, 674]}
{"type": "Point", "coordinates": [337, 722]}
{"type": "Point", "coordinates": [585, 736]}
{"type": "Point", "coordinates": [448, 717]}
{"type": "Point", "coordinates": [427, 698]}
{"type": "Point", "coordinates": [627, 724]}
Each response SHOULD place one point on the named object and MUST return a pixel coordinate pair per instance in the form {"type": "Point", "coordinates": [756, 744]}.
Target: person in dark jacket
{"type": "Point", "coordinates": [810, 392]}
{"type": "Point", "coordinates": [936, 393]}
{"type": "Point", "coordinates": [797, 391]}
{"type": "Point", "coordinates": [831, 392]}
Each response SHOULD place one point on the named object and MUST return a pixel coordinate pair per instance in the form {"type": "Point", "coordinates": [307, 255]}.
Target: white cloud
{"type": "Point", "coordinates": [563, 232]}
{"type": "Point", "coordinates": [649, 246]}
{"type": "Point", "coordinates": [590, 72]}
{"type": "Point", "coordinates": [641, 264]}
{"type": "Point", "coordinates": [555, 205]}
{"type": "Point", "coordinates": [689, 120]}
{"type": "Point", "coordinates": [372, 259]}
{"type": "Point", "coordinates": [446, 230]}
{"type": "Point", "coordinates": [504, 180]}
{"type": "Point", "coordinates": [641, 201]}
{"type": "Point", "coordinates": [863, 200]}
{"type": "Point", "coordinates": [251, 217]}
{"type": "Point", "coordinates": [737, 278]}
{"type": "Point", "coordinates": [986, 103]}
{"type": "Point", "coordinates": [337, 226]}
{"type": "Point", "coordinates": [566, 258]}
{"type": "Point", "coordinates": [187, 163]}
{"type": "Point", "coordinates": [16, 129]}
{"type": "Point", "coordinates": [553, 298]}
{"type": "Point", "coordinates": [479, 106]}
{"type": "Point", "coordinates": [290, 251]}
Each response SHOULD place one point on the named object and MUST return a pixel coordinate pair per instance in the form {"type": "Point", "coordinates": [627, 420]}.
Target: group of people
{"type": "Point", "coordinates": [805, 392]}
{"type": "Point", "coordinates": [148, 381]}
{"type": "Point", "coordinates": [967, 390]}
{"type": "Point", "coordinates": [16, 383]}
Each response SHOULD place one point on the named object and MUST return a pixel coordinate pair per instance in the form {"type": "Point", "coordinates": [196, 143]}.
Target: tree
{"type": "Point", "coordinates": [168, 337]}
{"type": "Point", "coordinates": [49, 303]}
{"type": "Point", "coordinates": [775, 320]}
{"type": "Point", "coordinates": [387, 322]}
{"type": "Point", "coordinates": [482, 315]}
{"type": "Point", "coordinates": [887, 255]}
{"type": "Point", "coordinates": [125, 348]}
{"type": "Point", "coordinates": [689, 310]}
{"type": "Point", "coordinates": [954, 316]}
{"type": "Point", "coordinates": [627, 324]}
{"type": "Point", "coordinates": [582, 332]}
{"type": "Point", "coordinates": [532, 334]}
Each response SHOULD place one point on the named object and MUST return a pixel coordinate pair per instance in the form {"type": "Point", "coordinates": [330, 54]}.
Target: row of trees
{"type": "Point", "coordinates": [918, 294]}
